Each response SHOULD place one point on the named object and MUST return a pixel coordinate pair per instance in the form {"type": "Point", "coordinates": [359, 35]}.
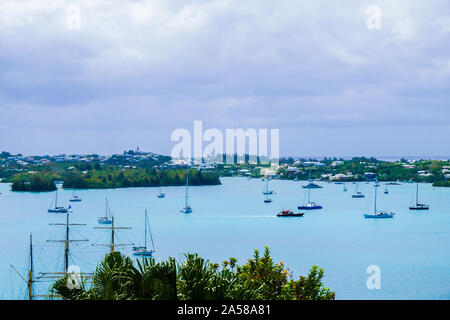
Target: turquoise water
{"type": "Point", "coordinates": [230, 220]}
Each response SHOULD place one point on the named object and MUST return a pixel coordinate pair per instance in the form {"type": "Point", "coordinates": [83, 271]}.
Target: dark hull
{"type": "Point", "coordinates": [419, 208]}
{"type": "Point", "coordinates": [309, 208]}
{"type": "Point", "coordinates": [290, 215]}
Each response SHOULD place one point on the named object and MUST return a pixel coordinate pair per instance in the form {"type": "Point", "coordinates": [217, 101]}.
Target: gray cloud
{"type": "Point", "coordinates": [134, 71]}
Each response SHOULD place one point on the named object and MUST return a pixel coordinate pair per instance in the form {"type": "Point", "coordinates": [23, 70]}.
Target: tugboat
{"type": "Point", "coordinates": [289, 213]}
{"type": "Point", "coordinates": [378, 214]}
{"type": "Point", "coordinates": [57, 209]}
{"type": "Point", "coordinates": [419, 206]}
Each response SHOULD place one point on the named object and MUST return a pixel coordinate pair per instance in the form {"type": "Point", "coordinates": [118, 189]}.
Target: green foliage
{"type": "Point", "coordinates": [118, 278]}
{"type": "Point", "coordinates": [33, 182]}
{"type": "Point", "coordinates": [112, 177]}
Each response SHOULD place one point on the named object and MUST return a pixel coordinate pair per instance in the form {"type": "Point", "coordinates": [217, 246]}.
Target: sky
{"type": "Point", "coordinates": [104, 76]}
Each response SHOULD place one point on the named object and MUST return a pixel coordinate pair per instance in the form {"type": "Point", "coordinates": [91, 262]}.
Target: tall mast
{"type": "Point", "coordinates": [30, 273]}
{"type": "Point", "coordinates": [112, 234]}
{"type": "Point", "coordinates": [375, 203]}
{"type": "Point", "coordinates": [187, 183]}
{"type": "Point", "coordinates": [309, 194]}
{"type": "Point", "coordinates": [56, 200]}
{"type": "Point", "coordinates": [145, 230]}
{"type": "Point", "coordinates": [66, 250]}
{"type": "Point", "coordinates": [67, 239]}
{"type": "Point", "coordinates": [417, 193]}
{"type": "Point", "coordinates": [112, 245]}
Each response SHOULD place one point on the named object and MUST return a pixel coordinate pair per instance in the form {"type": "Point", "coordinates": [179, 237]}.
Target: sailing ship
{"type": "Point", "coordinates": [419, 206]}
{"type": "Point", "coordinates": [289, 213]}
{"type": "Point", "coordinates": [75, 198]}
{"type": "Point", "coordinates": [106, 219]}
{"type": "Point", "coordinates": [344, 188]}
{"type": "Point", "coordinates": [310, 205]}
{"type": "Point", "coordinates": [187, 208]}
{"type": "Point", "coordinates": [378, 214]}
{"type": "Point", "coordinates": [386, 191]}
{"type": "Point", "coordinates": [57, 209]}
{"type": "Point", "coordinates": [357, 194]}
{"type": "Point", "coordinates": [143, 251]}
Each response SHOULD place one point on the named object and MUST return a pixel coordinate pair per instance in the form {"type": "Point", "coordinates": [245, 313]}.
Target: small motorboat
{"type": "Point", "coordinates": [268, 200]}
{"type": "Point", "coordinates": [289, 213]}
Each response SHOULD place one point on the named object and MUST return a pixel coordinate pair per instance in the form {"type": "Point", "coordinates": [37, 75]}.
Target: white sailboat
{"type": "Point", "coordinates": [266, 191]}
{"type": "Point", "coordinates": [310, 205]}
{"type": "Point", "coordinates": [56, 208]}
{"type": "Point", "coordinates": [378, 214]}
{"type": "Point", "coordinates": [357, 194]}
{"type": "Point", "coordinates": [106, 219]}
{"type": "Point", "coordinates": [75, 198]}
{"type": "Point", "coordinates": [187, 208]}
{"type": "Point", "coordinates": [143, 250]}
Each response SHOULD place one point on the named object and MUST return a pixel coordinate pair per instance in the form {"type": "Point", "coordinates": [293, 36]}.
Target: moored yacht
{"type": "Point", "coordinates": [106, 219]}
{"type": "Point", "coordinates": [378, 214]}
{"type": "Point", "coordinates": [56, 208]}
{"type": "Point", "coordinates": [419, 206]}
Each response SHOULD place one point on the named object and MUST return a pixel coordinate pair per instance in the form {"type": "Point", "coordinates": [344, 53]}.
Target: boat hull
{"type": "Point", "coordinates": [290, 215]}
{"type": "Point", "coordinates": [309, 207]}
{"type": "Point", "coordinates": [419, 208]}
{"type": "Point", "coordinates": [75, 200]}
{"type": "Point", "coordinates": [374, 216]}
{"type": "Point", "coordinates": [57, 210]}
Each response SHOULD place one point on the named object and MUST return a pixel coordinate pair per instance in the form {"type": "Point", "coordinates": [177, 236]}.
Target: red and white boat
{"type": "Point", "coordinates": [289, 213]}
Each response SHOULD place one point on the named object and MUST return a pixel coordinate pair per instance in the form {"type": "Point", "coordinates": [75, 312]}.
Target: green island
{"type": "Point", "coordinates": [117, 277]}
{"type": "Point", "coordinates": [146, 169]}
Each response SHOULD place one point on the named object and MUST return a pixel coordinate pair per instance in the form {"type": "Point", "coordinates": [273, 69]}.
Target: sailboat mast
{"type": "Point", "coordinates": [112, 233]}
{"type": "Point", "coordinates": [375, 203]}
{"type": "Point", "coordinates": [56, 200]}
{"type": "Point", "coordinates": [187, 183]}
{"type": "Point", "coordinates": [66, 250]}
{"type": "Point", "coordinates": [30, 273]}
{"type": "Point", "coordinates": [417, 193]}
{"type": "Point", "coordinates": [145, 230]}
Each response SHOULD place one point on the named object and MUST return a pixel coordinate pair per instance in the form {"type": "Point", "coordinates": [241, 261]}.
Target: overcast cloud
{"type": "Point", "coordinates": [136, 70]}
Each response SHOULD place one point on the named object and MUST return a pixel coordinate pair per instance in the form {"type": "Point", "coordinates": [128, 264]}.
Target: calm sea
{"type": "Point", "coordinates": [412, 250]}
